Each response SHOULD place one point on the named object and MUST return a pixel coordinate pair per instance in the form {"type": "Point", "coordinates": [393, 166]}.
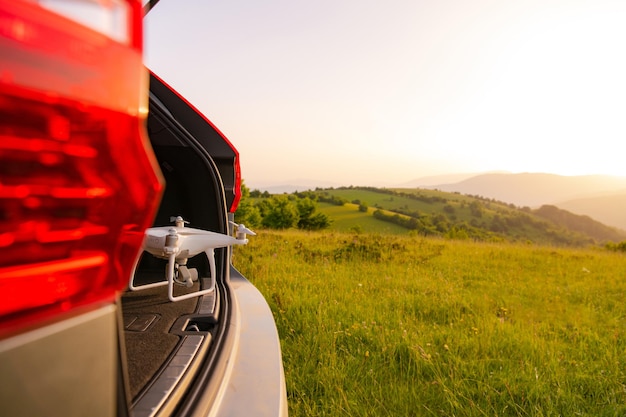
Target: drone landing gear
{"type": "Point", "coordinates": [185, 276]}
{"type": "Point", "coordinates": [181, 275]}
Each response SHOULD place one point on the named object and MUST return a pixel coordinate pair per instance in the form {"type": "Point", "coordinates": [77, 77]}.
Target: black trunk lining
{"type": "Point", "coordinates": [147, 350]}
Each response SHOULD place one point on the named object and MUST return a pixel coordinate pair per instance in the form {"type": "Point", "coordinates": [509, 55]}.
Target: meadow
{"type": "Point", "coordinates": [348, 218]}
{"type": "Point", "coordinates": [390, 325]}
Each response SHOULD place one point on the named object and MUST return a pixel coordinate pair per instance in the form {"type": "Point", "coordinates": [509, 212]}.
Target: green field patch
{"type": "Point", "coordinates": [348, 218]}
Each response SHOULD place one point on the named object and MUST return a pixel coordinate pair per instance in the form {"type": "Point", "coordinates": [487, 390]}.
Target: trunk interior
{"type": "Point", "coordinates": [155, 328]}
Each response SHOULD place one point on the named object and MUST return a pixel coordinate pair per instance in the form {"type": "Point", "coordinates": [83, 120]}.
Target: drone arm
{"type": "Point", "coordinates": [210, 254]}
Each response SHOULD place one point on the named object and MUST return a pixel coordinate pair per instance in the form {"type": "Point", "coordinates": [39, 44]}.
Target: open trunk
{"type": "Point", "coordinates": [167, 342]}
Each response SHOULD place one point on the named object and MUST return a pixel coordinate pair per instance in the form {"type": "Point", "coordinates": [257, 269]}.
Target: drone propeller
{"type": "Point", "coordinates": [242, 230]}
{"type": "Point", "coordinates": [180, 222]}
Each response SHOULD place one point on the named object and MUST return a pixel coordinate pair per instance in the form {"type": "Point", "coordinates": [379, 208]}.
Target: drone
{"type": "Point", "coordinates": [177, 244]}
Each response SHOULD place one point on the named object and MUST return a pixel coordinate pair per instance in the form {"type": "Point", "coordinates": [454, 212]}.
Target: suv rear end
{"type": "Point", "coordinates": [81, 178]}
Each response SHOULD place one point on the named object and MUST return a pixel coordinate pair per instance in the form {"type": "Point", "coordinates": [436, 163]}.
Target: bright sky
{"type": "Point", "coordinates": [368, 92]}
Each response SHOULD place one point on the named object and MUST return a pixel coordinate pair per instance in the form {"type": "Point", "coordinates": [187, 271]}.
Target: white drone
{"type": "Point", "coordinates": [177, 244]}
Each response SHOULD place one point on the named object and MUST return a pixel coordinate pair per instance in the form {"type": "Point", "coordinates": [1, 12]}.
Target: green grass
{"type": "Point", "coordinates": [383, 325]}
{"type": "Point", "coordinates": [348, 218]}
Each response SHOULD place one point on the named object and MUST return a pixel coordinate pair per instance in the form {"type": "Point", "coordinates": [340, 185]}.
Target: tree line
{"type": "Point", "coordinates": [282, 211]}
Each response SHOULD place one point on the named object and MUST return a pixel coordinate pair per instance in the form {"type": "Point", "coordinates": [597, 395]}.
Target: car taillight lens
{"type": "Point", "coordinates": [78, 181]}
{"type": "Point", "coordinates": [237, 186]}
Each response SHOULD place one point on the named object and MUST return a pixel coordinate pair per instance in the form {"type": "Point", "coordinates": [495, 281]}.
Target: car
{"type": "Point", "coordinates": [96, 151]}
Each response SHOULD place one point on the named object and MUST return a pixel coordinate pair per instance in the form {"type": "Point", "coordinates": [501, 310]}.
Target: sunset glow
{"type": "Point", "coordinates": [376, 93]}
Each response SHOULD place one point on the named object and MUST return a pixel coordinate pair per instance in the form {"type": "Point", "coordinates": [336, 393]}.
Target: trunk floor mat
{"type": "Point", "coordinates": [148, 318]}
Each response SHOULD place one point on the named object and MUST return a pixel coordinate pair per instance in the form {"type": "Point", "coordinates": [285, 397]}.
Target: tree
{"type": "Point", "coordinates": [441, 222]}
{"type": "Point", "coordinates": [476, 209]}
{"type": "Point", "coordinates": [281, 213]}
{"type": "Point", "coordinates": [318, 221]}
{"type": "Point", "coordinates": [306, 208]}
{"type": "Point", "coordinates": [309, 219]}
{"type": "Point", "coordinates": [449, 208]}
{"type": "Point", "coordinates": [247, 212]}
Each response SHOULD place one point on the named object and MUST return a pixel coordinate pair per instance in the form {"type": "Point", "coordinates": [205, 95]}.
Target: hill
{"type": "Point", "coordinates": [608, 209]}
{"type": "Point", "coordinates": [578, 223]}
{"type": "Point", "coordinates": [600, 197]}
{"type": "Point", "coordinates": [433, 212]}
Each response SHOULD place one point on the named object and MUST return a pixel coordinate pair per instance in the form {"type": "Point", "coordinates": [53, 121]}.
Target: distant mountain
{"type": "Point", "coordinates": [293, 186]}
{"type": "Point", "coordinates": [534, 189]}
{"type": "Point", "coordinates": [436, 180]}
{"type": "Point", "coordinates": [608, 209]}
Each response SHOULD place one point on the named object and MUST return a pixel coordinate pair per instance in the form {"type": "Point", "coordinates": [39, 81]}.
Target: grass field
{"type": "Point", "coordinates": [348, 218]}
{"type": "Point", "coordinates": [387, 325]}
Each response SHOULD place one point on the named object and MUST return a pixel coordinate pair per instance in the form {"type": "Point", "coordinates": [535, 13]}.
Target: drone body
{"type": "Point", "coordinates": [177, 244]}
{"type": "Point", "coordinates": [160, 241]}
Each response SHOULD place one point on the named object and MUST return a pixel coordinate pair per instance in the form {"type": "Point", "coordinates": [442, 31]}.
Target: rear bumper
{"type": "Point", "coordinates": [254, 384]}
{"type": "Point", "coordinates": [68, 368]}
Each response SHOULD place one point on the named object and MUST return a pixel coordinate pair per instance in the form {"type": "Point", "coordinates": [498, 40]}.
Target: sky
{"type": "Point", "coordinates": [362, 92]}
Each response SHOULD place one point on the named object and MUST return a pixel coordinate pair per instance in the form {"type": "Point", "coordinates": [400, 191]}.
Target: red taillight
{"type": "Point", "coordinates": [78, 182]}
{"type": "Point", "coordinates": [237, 185]}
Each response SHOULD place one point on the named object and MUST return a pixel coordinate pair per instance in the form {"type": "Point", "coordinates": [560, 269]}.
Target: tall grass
{"type": "Point", "coordinates": [375, 325]}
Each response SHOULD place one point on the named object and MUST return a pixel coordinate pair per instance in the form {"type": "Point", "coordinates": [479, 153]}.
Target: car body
{"type": "Point", "coordinates": [90, 158]}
